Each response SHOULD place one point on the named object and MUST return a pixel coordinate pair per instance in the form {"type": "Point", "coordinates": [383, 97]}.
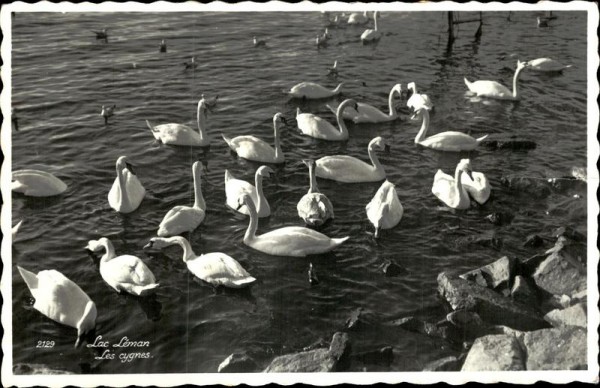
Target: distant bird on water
{"type": "Point", "coordinates": [259, 43]}
{"type": "Point", "coordinates": [333, 70]}
{"type": "Point", "coordinates": [101, 34]}
{"type": "Point", "coordinates": [192, 65]}
{"type": "Point", "coordinates": [321, 41]}
{"type": "Point", "coordinates": [107, 111]}
{"type": "Point", "coordinates": [14, 119]}
{"type": "Point", "coordinates": [542, 22]}
{"type": "Point", "coordinates": [162, 47]}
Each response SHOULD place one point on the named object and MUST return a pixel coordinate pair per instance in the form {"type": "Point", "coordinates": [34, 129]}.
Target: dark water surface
{"type": "Point", "coordinates": [62, 75]}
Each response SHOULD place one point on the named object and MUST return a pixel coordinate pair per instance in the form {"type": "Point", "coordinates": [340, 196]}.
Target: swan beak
{"type": "Point", "coordinates": [130, 168]}
{"type": "Point", "coordinates": [149, 245]}
{"type": "Point", "coordinates": [470, 174]}
{"type": "Point", "coordinates": [356, 107]}
{"type": "Point", "coordinates": [239, 206]}
{"type": "Point", "coordinates": [269, 171]}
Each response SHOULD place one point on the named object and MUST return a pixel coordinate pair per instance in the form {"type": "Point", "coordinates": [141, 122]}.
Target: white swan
{"type": "Point", "coordinates": [369, 114]}
{"type": "Point", "coordinates": [314, 126]}
{"type": "Point", "coordinates": [493, 89]}
{"type": "Point", "coordinates": [333, 71]}
{"type": "Point", "coordinates": [371, 35]}
{"type": "Point", "coordinates": [417, 100]}
{"type": "Point", "coordinates": [182, 219]}
{"type": "Point", "coordinates": [385, 210]}
{"type": "Point", "coordinates": [451, 190]}
{"type": "Point", "coordinates": [358, 18]}
{"type": "Point", "coordinates": [292, 241]}
{"type": "Point", "coordinates": [127, 192]}
{"type": "Point", "coordinates": [123, 273]}
{"type": "Point", "coordinates": [182, 135]}
{"type": "Point", "coordinates": [215, 268]}
{"type": "Point", "coordinates": [15, 229]}
{"type": "Point", "coordinates": [311, 90]}
{"type": "Point", "coordinates": [235, 188]}
{"type": "Point", "coordinates": [314, 207]}
{"type": "Point", "coordinates": [452, 141]}
{"type": "Point", "coordinates": [258, 43]}
{"type": "Point", "coordinates": [348, 169]}
{"type": "Point", "coordinates": [478, 186]}
{"type": "Point", "coordinates": [546, 65]}
{"type": "Point", "coordinates": [61, 300]}
{"type": "Point", "coordinates": [36, 183]}
{"type": "Point", "coordinates": [252, 148]}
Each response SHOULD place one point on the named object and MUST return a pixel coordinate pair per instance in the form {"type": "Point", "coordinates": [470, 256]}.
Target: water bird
{"type": "Point", "coordinates": [312, 275]}
{"type": "Point", "coordinates": [210, 105]}
{"type": "Point", "coordinates": [348, 169]}
{"type": "Point", "coordinates": [162, 47]}
{"type": "Point", "coordinates": [181, 218]}
{"type": "Point", "coordinates": [326, 36]}
{"type": "Point", "coordinates": [493, 89]}
{"type": "Point", "coordinates": [295, 241]}
{"type": "Point", "coordinates": [451, 190]}
{"type": "Point", "coordinates": [252, 148]}
{"type": "Point", "coordinates": [317, 127]}
{"type": "Point", "coordinates": [371, 35]}
{"type": "Point", "coordinates": [546, 65]}
{"type": "Point", "coordinates": [14, 119]}
{"type": "Point", "coordinates": [192, 65]}
{"type": "Point", "coordinates": [320, 42]}
{"type": "Point", "coordinates": [451, 141]}
{"type": "Point", "coordinates": [369, 114]}
{"type": "Point", "coordinates": [236, 188]}
{"type": "Point", "coordinates": [333, 22]}
{"type": "Point", "coordinates": [314, 207]}
{"type": "Point", "coordinates": [216, 268]}
{"type": "Point", "coordinates": [259, 43]}
{"type": "Point", "coordinates": [182, 135]}
{"type": "Point", "coordinates": [417, 100]}
{"type": "Point", "coordinates": [358, 18]}
{"type": "Point", "coordinates": [542, 22]}
{"type": "Point", "coordinates": [312, 90]}
{"type": "Point", "coordinates": [62, 300]}
{"type": "Point", "coordinates": [127, 191]}
{"type": "Point", "coordinates": [333, 71]}
{"type": "Point", "coordinates": [385, 210]}
{"type": "Point", "coordinates": [123, 273]}
{"type": "Point", "coordinates": [36, 183]}
{"type": "Point", "coordinates": [101, 34]}
{"type": "Point", "coordinates": [107, 111]}
{"type": "Point", "coordinates": [15, 229]}
{"type": "Point", "coordinates": [477, 186]}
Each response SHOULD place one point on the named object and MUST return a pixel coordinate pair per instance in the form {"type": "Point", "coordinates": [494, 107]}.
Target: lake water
{"type": "Point", "coordinates": [62, 75]}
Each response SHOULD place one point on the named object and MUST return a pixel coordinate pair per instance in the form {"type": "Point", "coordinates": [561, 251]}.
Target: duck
{"type": "Point", "coordinates": [162, 47]}
{"type": "Point", "coordinates": [36, 183]}
{"type": "Point", "coordinates": [314, 207]}
{"type": "Point", "coordinates": [358, 18]}
{"type": "Point", "coordinates": [417, 100]}
{"type": "Point", "coordinates": [123, 273]}
{"type": "Point", "coordinates": [62, 300]}
{"type": "Point", "coordinates": [107, 111]}
{"type": "Point", "coordinates": [451, 190]}
{"type": "Point", "coordinates": [235, 188]}
{"type": "Point", "coordinates": [127, 191]}
{"type": "Point", "coordinates": [451, 141]}
{"type": "Point", "coordinates": [546, 65]}
{"type": "Point", "coordinates": [182, 219]}
{"type": "Point", "coordinates": [369, 114]}
{"type": "Point", "coordinates": [252, 148]}
{"type": "Point", "coordinates": [371, 35]}
{"type": "Point", "coordinates": [477, 186]}
{"type": "Point", "coordinates": [216, 268]}
{"type": "Point", "coordinates": [15, 229]}
{"type": "Point", "coordinates": [101, 34]}
{"type": "Point", "coordinates": [192, 65]}
{"type": "Point", "coordinates": [314, 126]}
{"type": "Point", "coordinates": [293, 241]}
{"type": "Point", "coordinates": [385, 210]}
{"type": "Point", "coordinates": [312, 90]}
{"type": "Point", "coordinates": [259, 43]}
{"type": "Point", "coordinates": [348, 169]}
{"type": "Point", "coordinates": [493, 89]}
{"type": "Point", "coordinates": [182, 135]}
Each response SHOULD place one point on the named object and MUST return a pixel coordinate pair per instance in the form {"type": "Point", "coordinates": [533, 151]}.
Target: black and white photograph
{"type": "Point", "coordinates": [256, 193]}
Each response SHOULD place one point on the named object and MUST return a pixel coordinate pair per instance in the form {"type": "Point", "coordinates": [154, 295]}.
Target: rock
{"type": "Point", "coordinates": [512, 144]}
{"type": "Point", "coordinates": [523, 292]}
{"type": "Point", "coordinates": [565, 183]}
{"type": "Point", "coordinates": [535, 187]}
{"type": "Point", "coordinates": [359, 320]}
{"type": "Point", "coordinates": [469, 323]}
{"type": "Point", "coordinates": [409, 324]}
{"type": "Point", "coordinates": [340, 350]}
{"type": "Point", "coordinates": [446, 364]}
{"type": "Point", "coordinates": [498, 274]}
{"type": "Point", "coordinates": [320, 343]}
{"type": "Point", "coordinates": [500, 218]}
{"type": "Point", "coordinates": [570, 233]}
{"type": "Point", "coordinates": [442, 329]}
{"type": "Point", "coordinates": [554, 302]}
{"type": "Point", "coordinates": [571, 316]}
{"type": "Point", "coordinates": [37, 369]}
{"type": "Point", "coordinates": [495, 353]}
{"type": "Point", "coordinates": [528, 266]}
{"type": "Point", "coordinates": [556, 349]}
{"type": "Point", "coordinates": [390, 269]}
{"type": "Point", "coordinates": [492, 307]}
{"type": "Point", "coordinates": [238, 363]}
{"type": "Point", "coordinates": [533, 241]}
{"type": "Point", "coordinates": [560, 273]}
{"type": "Point", "coordinates": [383, 356]}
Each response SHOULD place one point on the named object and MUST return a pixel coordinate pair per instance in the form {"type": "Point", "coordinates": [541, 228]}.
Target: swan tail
{"type": "Point", "coordinates": [298, 112]}
{"type": "Point", "coordinates": [468, 83]}
{"type": "Point", "coordinates": [30, 278]}
{"type": "Point", "coordinates": [339, 241]}
{"type": "Point", "coordinates": [376, 232]}
{"type": "Point", "coordinates": [482, 138]}
{"type": "Point", "coordinates": [243, 281]}
{"type": "Point", "coordinates": [144, 290]}
{"type": "Point", "coordinates": [568, 66]}
{"type": "Point", "coordinates": [228, 176]}
{"type": "Point", "coordinates": [228, 141]}
{"type": "Point", "coordinates": [152, 128]}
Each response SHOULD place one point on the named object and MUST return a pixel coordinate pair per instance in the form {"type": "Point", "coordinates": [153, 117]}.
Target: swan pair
{"type": "Point", "coordinates": [36, 183]}
{"type": "Point", "coordinates": [236, 188]}
{"type": "Point", "coordinates": [369, 114]}
{"type": "Point", "coordinates": [127, 191]}
{"type": "Point", "coordinates": [493, 89]}
{"type": "Point", "coordinates": [182, 135]}
{"type": "Point", "coordinates": [314, 126]}
{"type": "Point", "coordinates": [454, 192]}
{"type": "Point", "coordinates": [314, 207]}
{"type": "Point", "coordinates": [385, 210]}
{"type": "Point", "coordinates": [371, 35]}
{"type": "Point", "coordinates": [312, 90]}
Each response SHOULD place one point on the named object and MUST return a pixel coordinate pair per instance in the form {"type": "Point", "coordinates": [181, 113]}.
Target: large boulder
{"type": "Point", "coordinates": [561, 273]}
{"type": "Point", "coordinates": [556, 349]}
{"type": "Point", "coordinates": [498, 274]}
{"type": "Point", "coordinates": [495, 353]}
{"type": "Point", "coordinates": [571, 316]}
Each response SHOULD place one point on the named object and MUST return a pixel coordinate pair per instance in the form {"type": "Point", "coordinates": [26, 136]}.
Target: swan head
{"type": "Point", "coordinates": [122, 163]}
{"type": "Point", "coordinates": [522, 65]}
{"type": "Point", "coordinates": [308, 162]}
{"type": "Point", "coordinates": [245, 199]}
{"type": "Point", "coordinates": [160, 242]}
{"type": "Point", "coordinates": [278, 118]}
{"type": "Point", "coordinates": [265, 171]}
{"type": "Point", "coordinates": [96, 245]}
{"type": "Point", "coordinates": [398, 89]}
{"type": "Point", "coordinates": [465, 166]}
{"type": "Point", "coordinates": [380, 143]}
{"type": "Point", "coordinates": [347, 103]}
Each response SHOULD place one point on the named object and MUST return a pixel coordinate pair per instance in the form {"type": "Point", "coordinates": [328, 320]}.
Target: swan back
{"type": "Point", "coordinates": [127, 191]}
{"type": "Point", "coordinates": [37, 183]}
{"type": "Point", "coordinates": [385, 210]}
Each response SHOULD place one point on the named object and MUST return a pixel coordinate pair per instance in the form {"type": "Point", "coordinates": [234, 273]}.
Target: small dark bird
{"type": "Point", "coordinates": [259, 43]}
{"type": "Point", "coordinates": [312, 276]}
{"type": "Point", "coordinates": [107, 111]}
{"type": "Point", "coordinates": [14, 119]}
{"type": "Point", "coordinates": [191, 65]}
{"type": "Point", "coordinates": [162, 47]}
{"type": "Point", "coordinates": [101, 34]}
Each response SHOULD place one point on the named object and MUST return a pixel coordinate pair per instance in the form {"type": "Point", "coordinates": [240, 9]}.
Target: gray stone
{"type": "Point", "coordinates": [446, 364]}
{"type": "Point", "coordinates": [556, 349]}
{"type": "Point", "coordinates": [359, 320]}
{"type": "Point", "coordinates": [560, 273]}
{"type": "Point", "coordinates": [238, 363]}
{"type": "Point", "coordinates": [495, 353]}
{"type": "Point", "coordinates": [391, 269]}
{"type": "Point", "coordinates": [339, 350]}
{"type": "Point", "coordinates": [442, 329]}
{"type": "Point", "coordinates": [469, 323]}
{"type": "Point", "coordinates": [494, 275]}
{"type": "Point", "coordinates": [532, 186]}
{"type": "Point", "coordinates": [523, 292]}
{"type": "Point", "coordinates": [534, 241]}
{"type": "Point", "coordinates": [571, 316]}
{"type": "Point", "coordinates": [567, 231]}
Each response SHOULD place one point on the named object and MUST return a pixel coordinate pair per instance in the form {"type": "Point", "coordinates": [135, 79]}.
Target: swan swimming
{"type": "Point", "coordinates": [477, 186]}
{"type": "Point", "coordinates": [369, 114]}
{"type": "Point", "coordinates": [333, 71]}
{"type": "Point", "coordinates": [451, 141]}
{"type": "Point", "coordinates": [385, 210]}
{"type": "Point", "coordinates": [258, 43]}
{"type": "Point", "coordinates": [311, 90]}
{"type": "Point", "coordinates": [314, 207]}
{"type": "Point", "coordinates": [61, 300]}
{"type": "Point", "coordinates": [358, 18]}
{"type": "Point", "coordinates": [314, 126]}
{"type": "Point", "coordinates": [123, 273]}
{"type": "Point", "coordinates": [36, 183]}
{"type": "Point", "coordinates": [107, 111]}
{"type": "Point", "coordinates": [101, 34]}
{"type": "Point", "coordinates": [236, 188]}
{"type": "Point", "coordinates": [182, 219]}
{"type": "Point", "coordinates": [127, 191]}
{"type": "Point", "coordinates": [546, 65]}
{"type": "Point", "coordinates": [215, 268]}
{"type": "Point", "coordinates": [417, 100]}
{"type": "Point", "coordinates": [295, 241]}
{"type": "Point", "coordinates": [182, 135]}
{"type": "Point", "coordinates": [348, 169]}
{"type": "Point", "coordinates": [192, 65]}
{"type": "Point", "coordinates": [493, 89]}
{"type": "Point", "coordinates": [371, 35]}
{"type": "Point", "coordinates": [162, 47]}
{"type": "Point", "coordinates": [451, 190]}
{"type": "Point", "coordinates": [252, 148]}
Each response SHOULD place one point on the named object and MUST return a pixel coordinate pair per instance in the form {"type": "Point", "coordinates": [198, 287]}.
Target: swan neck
{"type": "Point", "coordinates": [339, 88]}
{"type": "Point", "coordinates": [199, 202]}
{"type": "Point", "coordinates": [252, 225]}
{"type": "Point", "coordinates": [424, 127]}
{"type": "Point", "coordinates": [278, 151]}
{"type": "Point", "coordinates": [515, 79]}
{"type": "Point", "coordinates": [313, 179]}
{"type": "Point", "coordinates": [391, 104]}
{"type": "Point", "coordinates": [375, 21]}
{"type": "Point", "coordinates": [340, 119]}
{"type": "Point", "coordinates": [110, 251]}
{"type": "Point", "coordinates": [188, 252]}
{"type": "Point", "coordinates": [123, 187]}
{"type": "Point", "coordinates": [258, 181]}
{"type": "Point", "coordinates": [201, 119]}
{"type": "Point", "coordinates": [458, 187]}
{"type": "Point", "coordinates": [374, 159]}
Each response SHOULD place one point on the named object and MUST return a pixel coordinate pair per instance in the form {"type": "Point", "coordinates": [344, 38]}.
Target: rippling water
{"type": "Point", "coordinates": [62, 75]}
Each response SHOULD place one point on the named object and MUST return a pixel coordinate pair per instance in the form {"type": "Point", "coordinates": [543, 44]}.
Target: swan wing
{"type": "Point", "coordinates": [479, 188]}
{"type": "Point", "coordinates": [315, 208]}
{"type": "Point", "coordinates": [135, 190]}
{"type": "Point", "coordinates": [180, 219]}
{"type": "Point", "coordinates": [37, 183]}
{"type": "Point", "coordinates": [418, 101]}
{"type": "Point", "coordinates": [315, 126]}
{"type": "Point", "coordinates": [369, 35]}
{"type": "Point", "coordinates": [176, 134]}
{"type": "Point", "coordinates": [368, 114]}
{"type": "Point", "coordinates": [344, 168]}
{"type": "Point", "coordinates": [546, 64]}
{"type": "Point", "coordinates": [253, 148]}
{"type": "Point", "coordinates": [490, 89]}
{"type": "Point", "coordinates": [294, 241]}
{"type": "Point", "coordinates": [220, 269]}
{"type": "Point", "coordinates": [234, 189]}
{"type": "Point", "coordinates": [310, 90]}
{"type": "Point", "coordinates": [443, 185]}
{"type": "Point", "coordinates": [127, 270]}
{"type": "Point", "coordinates": [450, 141]}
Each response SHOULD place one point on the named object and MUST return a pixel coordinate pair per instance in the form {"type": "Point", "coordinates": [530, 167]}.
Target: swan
{"type": "Point", "coordinates": [15, 120]}
{"type": "Point", "coordinates": [369, 114]}
{"type": "Point", "coordinates": [15, 229]}
{"type": "Point", "coordinates": [320, 41]}
{"type": "Point", "coordinates": [107, 111]}
{"type": "Point", "coordinates": [385, 210]}
{"type": "Point", "coordinates": [546, 65]}
{"type": "Point", "coordinates": [252, 148]}
{"type": "Point", "coordinates": [478, 186]}
{"type": "Point", "coordinates": [358, 18]}
{"type": "Point", "coordinates": [292, 241]}
{"type": "Point", "coordinates": [417, 100]}
{"type": "Point", "coordinates": [348, 169]}
{"type": "Point", "coordinates": [235, 188]}
{"type": "Point", "coordinates": [542, 22]}
{"type": "Point", "coordinates": [162, 47]}
{"type": "Point", "coordinates": [311, 90]}
{"type": "Point", "coordinates": [179, 134]}
{"type": "Point", "coordinates": [446, 141]}
{"type": "Point", "coordinates": [127, 192]}
{"type": "Point", "coordinates": [451, 190]}
{"type": "Point", "coordinates": [333, 22]}
{"type": "Point", "coordinates": [192, 65]}
{"type": "Point", "coordinates": [314, 126]}
{"type": "Point", "coordinates": [215, 268]}
{"type": "Point", "coordinates": [61, 300]}
{"type": "Point", "coordinates": [182, 219]}
{"type": "Point", "coordinates": [333, 71]}
{"type": "Point", "coordinates": [258, 43]}
{"type": "Point", "coordinates": [123, 273]}
{"type": "Point", "coordinates": [493, 89]}
{"type": "Point", "coordinates": [314, 207]}
{"type": "Point", "coordinates": [36, 183]}
{"type": "Point", "coordinates": [371, 35]}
